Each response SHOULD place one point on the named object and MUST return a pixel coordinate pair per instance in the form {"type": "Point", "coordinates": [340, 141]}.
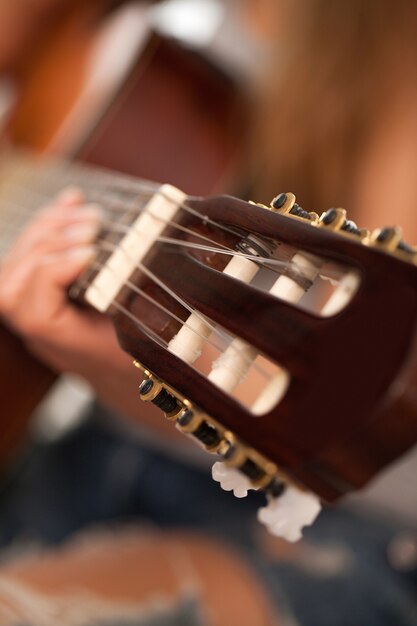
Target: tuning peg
{"type": "Point", "coordinates": [231, 479]}
{"type": "Point", "coordinates": [285, 515]}
{"type": "Point", "coordinates": [388, 238]}
{"type": "Point", "coordinates": [333, 219]}
{"type": "Point", "coordinates": [285, 204]}
{"type": "Point", "coordinates": [288, 514]}
{"type": "Point", "coordinates": [195, 425]}
{"type": "Point", "coordinates": [153, 390]}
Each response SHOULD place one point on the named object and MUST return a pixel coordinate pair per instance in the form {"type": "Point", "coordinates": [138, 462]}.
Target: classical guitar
{"type": "Point", "coordinates": [281, 341]}
{"type": "Point", "coordinates": [157, 110]}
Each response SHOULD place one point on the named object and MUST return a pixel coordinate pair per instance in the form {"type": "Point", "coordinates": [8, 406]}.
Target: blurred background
{"type": "Point", "coordinates": [321, 99]}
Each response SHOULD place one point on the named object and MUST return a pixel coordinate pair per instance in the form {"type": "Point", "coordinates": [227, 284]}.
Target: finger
{"type": "Point", "coordinates": [77, 341]}
{"type": "Point", "coordinates": [70, 196]}
{"type": "Point", "coordinates": [36, 295]}
{"type": "Point", "coordinates": [56, 216]}
{"type": "Point", "coordinates": [63, 268]}
{"type": "Point", "coordinates": [64, 201]}
{"type": "Point", "coordinates": [75, 234]}
{"type": "Point", "coordinates": [51, 232]}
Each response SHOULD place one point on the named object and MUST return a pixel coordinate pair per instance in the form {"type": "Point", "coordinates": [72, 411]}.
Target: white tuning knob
{"type": "Point", "coordinates": [286, 515]}
{"type": "Point", "coordinates": [231, 479]}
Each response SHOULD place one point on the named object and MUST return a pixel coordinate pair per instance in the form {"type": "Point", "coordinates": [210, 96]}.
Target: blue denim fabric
{"type": "Point", "coordinates": [339, 576]}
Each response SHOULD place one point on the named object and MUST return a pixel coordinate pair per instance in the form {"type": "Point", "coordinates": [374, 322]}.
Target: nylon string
{"type": "Point", "coordinates": [125, 201]}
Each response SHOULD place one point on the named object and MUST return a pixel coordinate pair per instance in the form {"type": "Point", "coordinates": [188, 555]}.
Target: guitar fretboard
{"type": "Point", "coordinates": [27, 184]}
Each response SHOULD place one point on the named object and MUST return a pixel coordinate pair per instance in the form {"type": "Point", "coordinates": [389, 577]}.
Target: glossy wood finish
{"type": "Point", "coordinates": [178, 119]}
{"type": "Point", "coordinates": [24, 381]}
{"type": "Point", "coordinates": [348, 372]}
{"type": "Point", "coordinates": [52, 75]}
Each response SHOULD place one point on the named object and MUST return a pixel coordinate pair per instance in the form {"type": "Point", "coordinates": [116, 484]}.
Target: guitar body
{"type": "Point", "coordinates": [168, 115]}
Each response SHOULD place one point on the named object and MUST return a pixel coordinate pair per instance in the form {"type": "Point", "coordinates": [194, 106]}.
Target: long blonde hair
{"type": "Point", "coordinates": [335, 75]}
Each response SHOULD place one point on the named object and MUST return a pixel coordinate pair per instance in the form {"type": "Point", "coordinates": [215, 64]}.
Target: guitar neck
{"type": "Point", "coordinates": [28, 183]}
{"type": "Point", "coordinates": [224, 280]}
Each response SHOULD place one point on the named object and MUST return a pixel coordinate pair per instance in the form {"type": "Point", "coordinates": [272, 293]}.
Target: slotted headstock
{"type": "Point", "coordinates": [340, 364]}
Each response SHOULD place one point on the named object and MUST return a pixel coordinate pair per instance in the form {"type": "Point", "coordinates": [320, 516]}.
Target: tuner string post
{"type": "Point", "coordinates": [197, 426]}
{"type": "Point", "coordinates": [215, 439]}
{"type": "Point", "coordinates": [254, 466]}
{"type": "Point", "coordinates": [288, 508]}
{"type": "Point", "coordinates": [336, 221]}
{"type": "Point", "coordinates": [285, 204]}
{"type": "Point", "coordinates": [389, 239]}
{"type": "Point", "coordinates": [178, 409]}
{"type": "Point", "coordinates": [333, 219]}
{"type": "Point", "coordinates": [151, 389]}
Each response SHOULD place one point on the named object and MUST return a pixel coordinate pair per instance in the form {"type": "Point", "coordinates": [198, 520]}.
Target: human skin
{"type": "Point", "coordinates": [34, 277]}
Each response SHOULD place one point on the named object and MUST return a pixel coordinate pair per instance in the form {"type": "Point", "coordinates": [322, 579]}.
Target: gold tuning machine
{"type": "Point", "coordinates": [387, 239]}
{"type": "Point", "coordinates": [153, 390]}
{"type": "Point", "coordinates": [285, 204]}
{"type": "Point", "coordinates": [336, 220]}
{"type": "Point", "coordinates": [210, 434]}
{"type": "Point", "coordinates": [390, 240]}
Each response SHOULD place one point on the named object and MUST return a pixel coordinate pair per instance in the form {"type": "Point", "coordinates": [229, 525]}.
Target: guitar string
{"type": "Point", "coordinates": [140, 189]}
{"type": "Point", "coordinates": [196, 246]}
{"type": "Point", "coordinates": [149, 189]}
{"type": "Point", "coordinates": [132, 204]}
{"type": "Point", "coordinates": [91, 177]}
{"type": "Point", "coordinates": [269, 263]}
{"type": "Point", "coordinates": [134, 288]}
{"type": "Point", "coordinates": [144, 328]}
{"type": "Point", "coordinates": [214, 329]}
{"type": "Point", "coordinates": [124, 209]}
{"type": "Point", "coordinates": [135, 186]}
{"type": "Point", "coordinates": [151, 334]}
{"type": "Point", "coordinates": [117, 304]}
{"type": "Point", "coordinates": [105, 245]}
{"type": "Point", "coordinates": [55, 173]}
{"type": "Point", "coordinates": [116, 227]}
{"type": "Point", "coordinates": [168, 240]}
{"type": "Point", "coordinates": [181, 243]}
{"type": "Point", "coordinates": [221, 334]}
{"type": "Point", "coordinates": [119, 228]}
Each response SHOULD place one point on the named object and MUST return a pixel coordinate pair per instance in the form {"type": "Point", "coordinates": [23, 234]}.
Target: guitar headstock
{"type": "Point", "coordinates": [280, 340]}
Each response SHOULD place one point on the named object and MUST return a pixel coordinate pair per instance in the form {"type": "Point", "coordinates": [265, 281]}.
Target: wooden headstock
{"type": "Point", "coordinates": [350, 405]}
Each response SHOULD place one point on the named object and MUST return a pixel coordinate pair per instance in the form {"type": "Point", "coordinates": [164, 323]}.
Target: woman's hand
{"type": "Point", "coordinates": [46, 258]}
{"type": "Point", "coordinates": [34, 278]}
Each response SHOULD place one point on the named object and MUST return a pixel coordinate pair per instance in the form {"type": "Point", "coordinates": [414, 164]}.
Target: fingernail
{"type": "Point", "coordinates": [83, 232]}
{"type": "Point", "coordinates": [82, 253]}
{"type": "Point", "coordinates": [89, 211]}
{"type": "Point", "coordinates": [70, 195]}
